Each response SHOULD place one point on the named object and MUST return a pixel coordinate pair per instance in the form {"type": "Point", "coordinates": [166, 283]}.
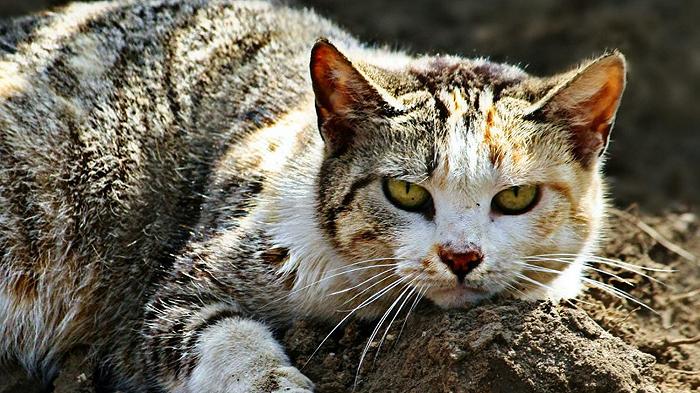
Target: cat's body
{"type": "Point", "coordinates": [164, 185]}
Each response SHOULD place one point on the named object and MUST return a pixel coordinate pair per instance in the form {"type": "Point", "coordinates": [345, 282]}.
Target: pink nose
{"type": "Point", "coordinates": [461, 263]}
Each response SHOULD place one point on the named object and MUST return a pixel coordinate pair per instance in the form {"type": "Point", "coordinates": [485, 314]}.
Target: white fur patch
{"type": "Point", "coordinates": [241, 356]}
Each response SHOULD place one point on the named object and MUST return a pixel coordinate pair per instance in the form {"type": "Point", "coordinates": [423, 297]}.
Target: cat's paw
{"type": "Point", "coordinates": [287, 379]}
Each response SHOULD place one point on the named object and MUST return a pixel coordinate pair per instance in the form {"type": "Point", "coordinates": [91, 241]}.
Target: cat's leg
{"type": "Point", "coordinates": [214, 348]}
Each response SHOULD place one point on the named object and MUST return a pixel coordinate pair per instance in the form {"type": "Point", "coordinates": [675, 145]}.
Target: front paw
{"type": "Point", "coordinates": [285, 379]}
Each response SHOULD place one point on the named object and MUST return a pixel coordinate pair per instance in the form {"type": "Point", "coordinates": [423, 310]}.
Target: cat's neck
{"type": "Point", "coordinates": [289, 212]}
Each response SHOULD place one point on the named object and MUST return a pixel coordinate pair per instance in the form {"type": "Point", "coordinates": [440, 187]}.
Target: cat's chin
{"type": "Point", "coordinates": [458, 296]}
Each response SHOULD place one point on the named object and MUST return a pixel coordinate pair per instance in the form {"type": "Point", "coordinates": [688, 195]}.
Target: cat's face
{"type": "Point", "coordinates": [463, 179]}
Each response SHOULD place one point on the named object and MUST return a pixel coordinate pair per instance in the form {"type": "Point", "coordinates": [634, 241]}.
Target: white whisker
{"type": "Point", "coordinates": [386, 331]}
{"type": "Point", "coordinates": [546, 287]}
{"type": "Point", "coordinates": [535, 282]}
{"type": "Point", "coordinates": [365, 290]}
{"type": "Point", "coordinates": [377, 327]}
{"type": "Point", "coordinates": [512, 287]}
{"type": "Point", "coordinates": [365, 261]}
{"type": "Point", "coordinates": [287, 295]}
{"type": "Point", "coordinates": [365, 303]}
{"type": "Point", "coordinates": [618, 264]}
{"type": "Point", "coordinates": [536, 268]}
{"type": "Point", "coordinates": [360, 284]}
{"type": "Point", "coordinates": [604, 260]}
{"type": "Point", "coordinates": [417, 299]}
{"type": "Point", "coordinates": [585, 266]}
{"type": "Point", "coordinates": [618, 293]}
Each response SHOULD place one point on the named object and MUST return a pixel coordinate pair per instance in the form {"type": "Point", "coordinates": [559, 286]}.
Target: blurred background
{"type": "Point", "coordinates": [654, 158]}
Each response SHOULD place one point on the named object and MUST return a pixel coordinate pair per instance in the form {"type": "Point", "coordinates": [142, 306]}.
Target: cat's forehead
{"type": "Point", "coordinates": [470, 76]}
{"type": "Point", "coordinates": [465, 130]}
{"type": "Point", "coordinates": [476, 136]}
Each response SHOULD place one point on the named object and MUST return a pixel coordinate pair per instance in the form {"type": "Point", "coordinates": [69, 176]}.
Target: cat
{"type": "Point", "coordinates": [181, 178]}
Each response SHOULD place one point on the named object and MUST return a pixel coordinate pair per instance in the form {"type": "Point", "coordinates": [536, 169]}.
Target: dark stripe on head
{"type": "Point", "coordinates": [275, 256]}
{"type": "Point", "coordinates": [433, 89]}
{"type": "Point", "coordinates": [358, 185]}
{"type": "Point", "coordinates": [432, 161]}
{"type": "Point", "coordinates": [471, 77]}
{"type": "Point", "coordinates": [330, 213]}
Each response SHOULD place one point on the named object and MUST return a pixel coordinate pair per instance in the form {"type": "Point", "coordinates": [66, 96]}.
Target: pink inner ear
{"type": "Point", "coordinates": [591, 101]}
{"type": "Point", "coordinates": [332, 75]}
{"type": "Point", "coordinates": [601, 107]}
{"type": "Point", "coordinates": [598, 112]}
{"type": "Point", "coordinates": [340, 89]}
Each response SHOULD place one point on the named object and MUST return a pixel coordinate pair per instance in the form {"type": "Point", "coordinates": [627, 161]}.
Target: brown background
{"type": "Point", "coordinates": [654, 155]}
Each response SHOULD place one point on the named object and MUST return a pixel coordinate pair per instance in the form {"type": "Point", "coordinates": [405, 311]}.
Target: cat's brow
{"type": "Point", "coordinates": [410, 176]}
{"type": "Point", "coordinates": [354, 188]}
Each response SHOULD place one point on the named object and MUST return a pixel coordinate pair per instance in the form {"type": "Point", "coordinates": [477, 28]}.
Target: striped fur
{"type": "Point", "coordinates": [166, 195]}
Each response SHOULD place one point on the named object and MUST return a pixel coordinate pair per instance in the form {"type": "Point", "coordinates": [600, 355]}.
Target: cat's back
{"type": "Point", "coordinates": [111, 117]}
{"type": "Point", "coordinates": [86, 58]}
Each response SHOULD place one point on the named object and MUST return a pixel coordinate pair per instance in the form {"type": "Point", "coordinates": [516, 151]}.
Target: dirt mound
{"type": "Point", "coordinates": [513, 346]}
{"type": "Point", "coordinates": [599, 343]}
{"type": "Point", "coordinates": [671, 332]}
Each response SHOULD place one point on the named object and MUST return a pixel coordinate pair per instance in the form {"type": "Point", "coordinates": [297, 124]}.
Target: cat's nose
{"type": "Point", "coordinates": [461, 263]}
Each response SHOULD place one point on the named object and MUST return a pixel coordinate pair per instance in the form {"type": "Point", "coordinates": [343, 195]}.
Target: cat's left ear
{"type": "Point", "coordinates": [343, 94]}
{"type": "Point", "coordinates": [586, 100]}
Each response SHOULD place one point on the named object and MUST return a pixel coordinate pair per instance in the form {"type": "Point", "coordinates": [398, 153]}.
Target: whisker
{"type": "Point", "coordinates": [621, 265]}
{"type": "Point", "coordinates": [366, 261]}
{"type": "Point", "coordinates": [512, 287]}
{"type": "Point", "coordinates": [618, 293]}
{"type": "Point", "coordinates": [398, 311]}
{"type": "Point", "coordinates": [633, 268]}
{"type": "Point", "coordinates": [547, 287]}
{"type": "Point", "coordinates": [535, 282]}
{"type": "Point", "coordinates": [417, 299]}
{"type": "Point", "coordinates": [585, 266]}
{"type": "Point", "coordinates": [360, 284]}
{"type": "Point", "coordinates": [365, 290]}
{"type": "Point", "coordinates": [377, 327]}
{"type": "Point", "coordinates": [614, 261]}
{"type": "Point", "coordinates": [365, 303]}
{"type": "Point", "coordinates": [287, 295]}
{"type": "Point", "coordinates": [536, 268]}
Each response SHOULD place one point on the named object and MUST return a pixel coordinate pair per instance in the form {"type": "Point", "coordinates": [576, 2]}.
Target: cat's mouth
{"type": "Point", "coordinates": [457, 296]}
{"type": "Point", "coordinates": [460, 288]}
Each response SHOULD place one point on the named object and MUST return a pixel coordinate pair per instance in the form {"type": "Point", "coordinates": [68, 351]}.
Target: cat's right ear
{"type": "Point", "coordinates": [586, 100]}
{"type": "Point", "coordinates": [343, 95]}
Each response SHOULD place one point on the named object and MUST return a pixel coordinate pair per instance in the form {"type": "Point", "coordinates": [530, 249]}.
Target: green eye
{"type": "Point", "coordinates": [516, 200]}
{"type": "Point", "coordinates": [406, 196]}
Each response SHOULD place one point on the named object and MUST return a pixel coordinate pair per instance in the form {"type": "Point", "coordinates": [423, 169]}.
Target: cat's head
{"type": "Point", "coordinates": [464, 178]}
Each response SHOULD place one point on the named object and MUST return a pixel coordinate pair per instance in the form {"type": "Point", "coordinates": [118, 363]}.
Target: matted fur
{"type": "Point", "coordinates": [164, 184]}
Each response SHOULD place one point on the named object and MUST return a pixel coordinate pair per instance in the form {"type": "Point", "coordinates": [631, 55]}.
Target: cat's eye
{"type": "Point", "coordinates": [516, 199]}
{"type": "Point", "coordinates": [407, 196]}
